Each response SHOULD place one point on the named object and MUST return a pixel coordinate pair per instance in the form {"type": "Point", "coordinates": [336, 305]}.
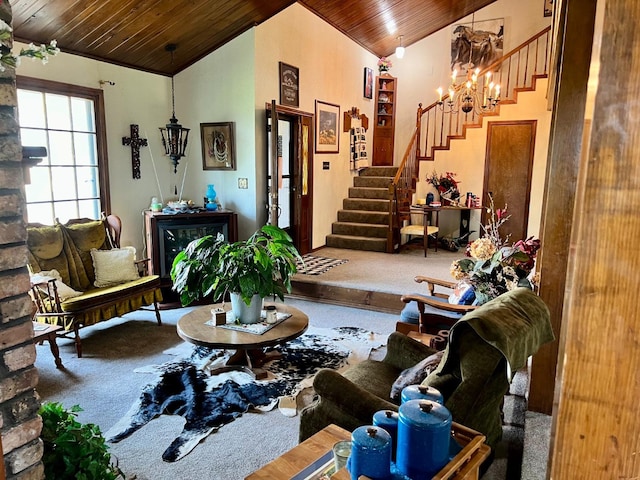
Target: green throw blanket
{"type": "Point", "coordinates": [516, 323]}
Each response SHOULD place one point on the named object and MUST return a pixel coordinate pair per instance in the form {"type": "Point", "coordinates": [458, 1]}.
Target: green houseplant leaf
{"type": "Point", "coordinates": [263, 264]}
{"type": "Point", "coordinates": [73, 450]}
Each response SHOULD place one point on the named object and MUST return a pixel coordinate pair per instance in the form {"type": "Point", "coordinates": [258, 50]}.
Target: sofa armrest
{"type": "Point", "coordinates": [404, 352]}
{"type": "Point", "coordinates": [348, 396]}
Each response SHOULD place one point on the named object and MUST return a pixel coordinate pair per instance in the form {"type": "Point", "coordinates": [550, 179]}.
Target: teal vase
{"type": "Point", "coordinates": [211, 198]}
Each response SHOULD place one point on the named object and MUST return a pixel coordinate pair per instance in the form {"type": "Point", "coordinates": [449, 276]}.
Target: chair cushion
{"type": "Point", "coordinates": [410, 313]}
{"type": "Point", "coordinates": [64, 290]}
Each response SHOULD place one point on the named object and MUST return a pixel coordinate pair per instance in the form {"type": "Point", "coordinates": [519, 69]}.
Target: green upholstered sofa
{"type": "Point", "coordinates": [66, 248]}
{"type": "Point", "coordinates": [485, 348]}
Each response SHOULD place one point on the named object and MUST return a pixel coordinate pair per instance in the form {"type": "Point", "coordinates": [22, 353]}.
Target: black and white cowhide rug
{"type": "Point", "coordinates": [207, 402]}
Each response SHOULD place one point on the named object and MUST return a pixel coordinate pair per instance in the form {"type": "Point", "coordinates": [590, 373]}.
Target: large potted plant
{"type": "Point", "coordinates": [249, 270]}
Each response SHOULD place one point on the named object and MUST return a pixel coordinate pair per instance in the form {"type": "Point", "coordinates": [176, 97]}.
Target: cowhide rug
{"type": "Point", "coordinates": [207, 402]}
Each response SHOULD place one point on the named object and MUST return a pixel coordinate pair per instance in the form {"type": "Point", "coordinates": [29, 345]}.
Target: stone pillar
{"type": "Point", "coordinates": [20, 424]}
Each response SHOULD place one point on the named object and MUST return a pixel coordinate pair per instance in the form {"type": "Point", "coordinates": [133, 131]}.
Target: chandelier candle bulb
{"type": "Point", "coordinates": [439, 94]}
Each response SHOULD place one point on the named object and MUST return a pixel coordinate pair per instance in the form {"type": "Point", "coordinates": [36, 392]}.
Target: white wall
{"type": "Point", "coordinates": [136, 98]}
{"type": "Point", "coordinates": [331, 69]}
{"type": "Point", "coordinates": [220, 88]}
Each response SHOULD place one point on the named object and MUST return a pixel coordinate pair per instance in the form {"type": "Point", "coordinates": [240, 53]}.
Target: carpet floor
{"type": "Point", "coordinates": [104, 385]}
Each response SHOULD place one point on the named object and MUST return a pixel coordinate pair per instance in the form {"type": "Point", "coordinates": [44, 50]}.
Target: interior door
{"type": "Point", "coordinates": [508, 170]}
{"type": "Point", "coordinates": [293, 179]}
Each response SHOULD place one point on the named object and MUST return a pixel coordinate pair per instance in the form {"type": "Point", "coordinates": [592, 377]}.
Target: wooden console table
{"type": "Point", "coordinates": [465, 215]}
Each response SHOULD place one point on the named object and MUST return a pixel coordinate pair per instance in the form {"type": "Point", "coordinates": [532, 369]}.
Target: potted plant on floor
{"type": "Point", "coordinates": [72, 449]}
{"type": "Point", "coordinates": [249, 270]}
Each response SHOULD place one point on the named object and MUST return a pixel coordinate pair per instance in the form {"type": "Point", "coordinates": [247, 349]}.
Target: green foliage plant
{"type": "Point", "coordinates": [263, 265]}
{"type": "Point", "coordinates": [73, 450]}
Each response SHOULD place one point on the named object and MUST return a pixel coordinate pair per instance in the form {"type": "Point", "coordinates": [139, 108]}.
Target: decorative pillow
{"type": "Point", "coordinates": [463, 294]}
{"type": "Point", "coordinates": [64, 290]}
{"type": "Point", "coordinates": [114, 266]}
{"type": "Point", "coordinates": [416, 374]}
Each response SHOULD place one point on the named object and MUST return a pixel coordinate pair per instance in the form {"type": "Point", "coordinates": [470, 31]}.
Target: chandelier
{"type": "Point", "coordinates": [470, 96]}
{"type": "Point", "coordinates": [174, 136]}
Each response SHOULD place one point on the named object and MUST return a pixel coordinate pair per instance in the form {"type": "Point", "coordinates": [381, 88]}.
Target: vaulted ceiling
{"type": "Point", "coordinates": [134, 33]}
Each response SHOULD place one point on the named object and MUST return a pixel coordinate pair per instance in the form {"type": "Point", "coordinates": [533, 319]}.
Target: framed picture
{"type": "Point", "coordinates": [548, 8]}
{"type": "Point", "coordinates": [327, 127]}
{"type": "Point", "coordinates": [368, 82]}
{"type": "Point", "coordinates": [218, 146]}
{"type": "Point", "coordinates": [476, 45]}
{"type": "Point", "coordinates": [289, 85]}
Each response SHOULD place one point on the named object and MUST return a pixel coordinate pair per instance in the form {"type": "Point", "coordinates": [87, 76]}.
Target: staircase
{"type": "Point", "coordinates": [363, 223]}
{"type": "Point", "coordinates": [517, 71]}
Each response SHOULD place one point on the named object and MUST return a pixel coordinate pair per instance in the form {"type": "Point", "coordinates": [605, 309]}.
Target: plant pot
{"type": "Point", "coordinates": [246, 313]}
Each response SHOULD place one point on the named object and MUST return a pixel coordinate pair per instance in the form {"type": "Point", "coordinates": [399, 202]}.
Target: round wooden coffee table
{"type": "Point", "coordinates": [248, 346]}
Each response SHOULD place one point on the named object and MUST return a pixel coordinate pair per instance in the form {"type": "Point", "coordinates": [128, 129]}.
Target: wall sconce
{"type": "Point", "coordinates": [400, 48]}
{"type": "Point", "coordinates": [174, 136]}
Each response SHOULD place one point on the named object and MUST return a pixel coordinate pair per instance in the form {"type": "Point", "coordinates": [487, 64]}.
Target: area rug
{"type": "Point", "coordinates": [208, 402]}
{"type": "Point", "coordinates": [318, 265]}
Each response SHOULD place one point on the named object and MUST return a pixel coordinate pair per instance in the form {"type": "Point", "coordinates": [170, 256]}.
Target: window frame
{"type": "Point", "coordinates": [97, 96]}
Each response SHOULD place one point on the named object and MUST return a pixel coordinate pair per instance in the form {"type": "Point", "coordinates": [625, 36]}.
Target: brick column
{"type": "Point", "coordinates": [20, 424]}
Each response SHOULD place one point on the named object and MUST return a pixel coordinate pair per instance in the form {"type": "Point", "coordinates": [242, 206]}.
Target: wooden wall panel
{"type": "Point", "coordinates": [597, 421]}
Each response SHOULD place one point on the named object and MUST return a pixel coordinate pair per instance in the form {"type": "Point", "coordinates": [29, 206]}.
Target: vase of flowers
{"type": "Point", "coordinates": [384, 65]}
{"type": "Point", "coordinates": [446, 185]}
{"type": "Point", "coordinates": [493, 266]}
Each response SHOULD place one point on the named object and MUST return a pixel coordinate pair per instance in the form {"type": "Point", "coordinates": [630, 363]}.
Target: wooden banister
{"type": "Point", "coordinates": [517, 70]}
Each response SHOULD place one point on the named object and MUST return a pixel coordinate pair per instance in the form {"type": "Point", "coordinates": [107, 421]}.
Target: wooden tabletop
{"type": "Point", "coordinates": [302, 455]}
{"type": "Point", "coordinates": [191, 328]}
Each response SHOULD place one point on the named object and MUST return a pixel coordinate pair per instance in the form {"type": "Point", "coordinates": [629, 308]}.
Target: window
{"type": "Point", "coordinates": [71, 182]}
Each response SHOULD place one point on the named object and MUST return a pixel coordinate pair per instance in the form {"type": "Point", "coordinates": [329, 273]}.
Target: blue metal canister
{"type": "Point", "coordinates": [388, 419]}
{"type": "Point", "coordinates": [424, 428]}
{"type": "Point", "coordinates": [421, 392]}
{"type": "Point", "coordinates": [370, 453]}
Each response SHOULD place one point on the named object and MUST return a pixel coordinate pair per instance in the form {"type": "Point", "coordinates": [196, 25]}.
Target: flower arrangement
{"type": "Point", "coordinates": [494, 267]}
{"type": "Point", "coordinates": [384, 64]}
{"type": "Point", "coordinates": [10, 59]}
{"type": "Point", "coordinates": [445, 183]}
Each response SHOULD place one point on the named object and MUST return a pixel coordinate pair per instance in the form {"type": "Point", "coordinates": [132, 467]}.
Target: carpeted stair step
{"type": "Point", "coordinates": [357, 243]}
{"type": "Point", "coordinates": [369, 192]}
{"type": "Point", "coordinates": [363, 216]}
{"type": "Point", "coordinates": [359, 229]}
{"type": "Point", "coordinates": [379, 172]}
{"type": "Point", "coordinates": [376, 182]}
{"type": "Point", "coordinates": [372, 205]}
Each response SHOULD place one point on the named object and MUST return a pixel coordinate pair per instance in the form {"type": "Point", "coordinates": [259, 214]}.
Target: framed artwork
{"type": "Point", "coordinates": [476, 45]}
{"type": "Point", "coordinates": [368, 82]}
{"type": "Point", "coordinates": [327, 127]}
{"type": "Point", "coordinates": [289, 85]}
{"type": "Point", "coordinates": [548, 8]}
{"type": "Point", "coordinates": [218, 146]}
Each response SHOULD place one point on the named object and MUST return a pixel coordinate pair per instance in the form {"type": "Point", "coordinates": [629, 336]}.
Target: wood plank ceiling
{"type": "Point", "coordinates": [134, 33]}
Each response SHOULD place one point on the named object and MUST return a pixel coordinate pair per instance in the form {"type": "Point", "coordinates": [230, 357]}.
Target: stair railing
{"type": "Point", "coordinates": [400, 193]}
{"type": "Point", "coordinates": [514, 71]}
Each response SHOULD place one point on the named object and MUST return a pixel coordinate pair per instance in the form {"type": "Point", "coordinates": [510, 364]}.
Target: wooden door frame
{"type": "Point", "coordinates": [532, 145]}
{"type": "Point", "coordinates": [298, 115]}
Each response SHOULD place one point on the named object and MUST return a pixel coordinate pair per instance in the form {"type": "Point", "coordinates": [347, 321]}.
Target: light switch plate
{"type": "Point", "coordinates": [243, 183]}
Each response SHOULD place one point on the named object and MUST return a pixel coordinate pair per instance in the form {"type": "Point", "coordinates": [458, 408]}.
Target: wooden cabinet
{"type": "Point", "coordinates": [168, 234]}
{"type": "Point", "coordinates": [384, 125]}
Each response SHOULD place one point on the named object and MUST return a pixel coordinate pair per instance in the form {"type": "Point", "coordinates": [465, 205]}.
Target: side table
{"type": "Point", "coordinates": [44, 331]}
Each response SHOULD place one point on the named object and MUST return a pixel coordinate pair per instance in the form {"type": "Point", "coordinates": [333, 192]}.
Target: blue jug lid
{"type": "Point", "coordinates": [425, 414]}
{"type": "Point", "coordinates": [370, 437]}
{"type": "Point", "coordinates": [385, 416]}
{"type": "Point", "coordinates": [412, 392]}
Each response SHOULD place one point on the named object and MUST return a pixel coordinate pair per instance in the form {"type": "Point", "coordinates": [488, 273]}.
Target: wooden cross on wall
{"type": "Point", "coordinates": [135, 142]}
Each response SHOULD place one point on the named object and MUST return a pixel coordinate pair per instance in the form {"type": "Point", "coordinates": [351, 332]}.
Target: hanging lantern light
{"type": "Point", "coordinates": [174, 136]}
